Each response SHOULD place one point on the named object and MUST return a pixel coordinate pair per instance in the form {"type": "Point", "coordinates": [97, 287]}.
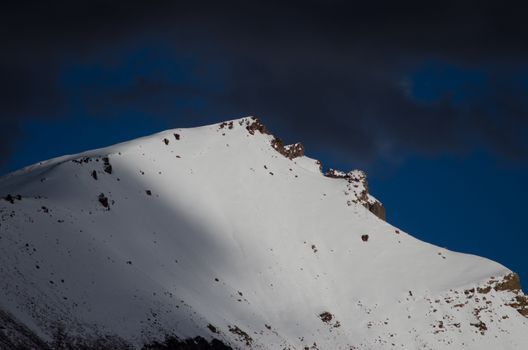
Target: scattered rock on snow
{"type": "Point", "coordinates": [103, 200]}
{"type": "Point", "coordinates": [11, 199]}
{"type": "Point", "coordinates": [107, 167]}
{"type": "Point", "coordinates": [326, 317]}
{"type": "Point", "coordinates": [243, 336]}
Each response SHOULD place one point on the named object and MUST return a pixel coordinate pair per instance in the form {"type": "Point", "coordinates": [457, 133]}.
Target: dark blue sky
{"type": "Point", "coordinates": [430, 99]}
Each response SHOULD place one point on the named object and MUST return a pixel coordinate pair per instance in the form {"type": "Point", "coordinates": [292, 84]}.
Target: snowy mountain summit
{"type": "Point", "coordinates": [223, 237]}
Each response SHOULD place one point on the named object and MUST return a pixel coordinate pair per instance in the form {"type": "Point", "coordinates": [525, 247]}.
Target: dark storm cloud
{"type": "Point", "coordinates": [328, 71]}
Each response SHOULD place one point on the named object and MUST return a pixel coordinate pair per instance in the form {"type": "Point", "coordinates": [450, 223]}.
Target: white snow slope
{"type": "Point", "coordinates": [211, 232]}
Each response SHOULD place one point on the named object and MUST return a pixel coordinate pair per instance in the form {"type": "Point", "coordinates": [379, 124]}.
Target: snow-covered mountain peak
{"type": "Point", "coordinates": [223, 232]}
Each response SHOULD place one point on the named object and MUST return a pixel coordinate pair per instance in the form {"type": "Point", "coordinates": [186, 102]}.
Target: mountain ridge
{"type": "Point", "coordinates": [227, 227]}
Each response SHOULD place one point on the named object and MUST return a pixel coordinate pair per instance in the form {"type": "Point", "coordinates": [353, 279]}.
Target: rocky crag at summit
{"type": "Point", "coordinates": [224, 237]}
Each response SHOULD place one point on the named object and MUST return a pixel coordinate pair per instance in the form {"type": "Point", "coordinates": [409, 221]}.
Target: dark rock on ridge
{"type": "Point", "coordinates": [358, 178]}
{"type": "Point", "coordinates": [289, 151]}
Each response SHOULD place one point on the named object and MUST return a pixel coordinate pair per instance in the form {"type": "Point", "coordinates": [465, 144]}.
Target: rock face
{"type": "Point", "coordinates": [358, 187]}
{"type": "Point", "coordinates": [511, 283]}
{"type": "Point", "coordinates": [253, 125]}
{"type": "Point", "coordinates": [289, 151]}
{"type": "Point", "coordinates": [223, 237]}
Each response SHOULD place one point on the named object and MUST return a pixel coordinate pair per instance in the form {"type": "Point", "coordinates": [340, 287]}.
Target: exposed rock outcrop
{"type": "Point", "coordinates": [256, 125]}
{"type": "Point", "coordinates": [357, 187]}
{"type": "Point", "coordinates": [378, 209]}
{"type": "Point", "coordinates": [509, 282]}
{"type": "Point", "coordinates": [512, 283]}
{"type": "Point", "coordinates": [289, 151]}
